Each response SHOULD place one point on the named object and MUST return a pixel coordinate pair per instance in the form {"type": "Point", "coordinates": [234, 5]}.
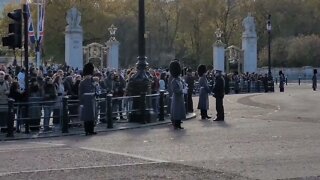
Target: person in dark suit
{"type": "Point", "coordinates": [189, 79]}
{"type": "Point", "coordinates": [203, 103]}
{"type": "Point", "coordinates": [282, 80]}
{"type": "Point", "coordinates": [86, 88]}
{"type": "Point", "coordinates": [218, 91]}
{"type": "Point", "coordinates": [314, 80]}
{"type": "Point", "coordinates": [178, 111]}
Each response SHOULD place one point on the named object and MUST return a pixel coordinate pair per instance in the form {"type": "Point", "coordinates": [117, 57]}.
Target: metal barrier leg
{"type": "Point", "coordinates": [109, 111]}
{"type": "Point", "coordinates": [161, 104]}
{"type": "Point", "coordinates": [10, 121]}
{"type": "Point", "coordinates": [143, 107]}
{"type": "Point", "coordinates": [65, 115]}
{"type": "Point", "coordinates": [27, 121]}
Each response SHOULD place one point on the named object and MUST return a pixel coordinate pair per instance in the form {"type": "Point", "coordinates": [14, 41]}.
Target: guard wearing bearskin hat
{"type": "Point", "coordinates": [203, 103]}
{"type": "Point", "coordinates": [178, 111]}
{"type": "Point", "coordinates": [86, 94]}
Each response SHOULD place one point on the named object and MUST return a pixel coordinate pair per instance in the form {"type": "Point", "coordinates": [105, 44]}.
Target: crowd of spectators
{"type": "Point", "coordinates": [50, 83]}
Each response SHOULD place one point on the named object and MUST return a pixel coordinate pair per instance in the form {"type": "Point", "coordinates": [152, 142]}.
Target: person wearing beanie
{"type": "Point", "coordinates": [86, 94]}
{"type": "Point", "coordinates": [178, 111]}
{"type": "Point", "coordinates": [203, 103]}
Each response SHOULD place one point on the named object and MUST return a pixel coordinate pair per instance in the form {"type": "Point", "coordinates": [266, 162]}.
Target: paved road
{"type": "Point", "coordinates": [265, 136]}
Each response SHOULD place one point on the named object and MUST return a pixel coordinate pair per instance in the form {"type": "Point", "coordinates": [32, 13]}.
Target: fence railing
{"type": "Point", "coordinates": [64, 113]}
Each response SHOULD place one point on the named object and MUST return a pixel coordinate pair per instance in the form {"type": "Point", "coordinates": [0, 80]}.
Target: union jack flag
{"type": "Point", "coordinates": [31, 33]}
{"type": "Point", "coordinates": [41, 23]}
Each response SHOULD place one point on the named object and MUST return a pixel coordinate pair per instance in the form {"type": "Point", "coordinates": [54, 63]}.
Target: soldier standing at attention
{"type": "Point", "coordinates": [218, 91]}
{"type": "Point", "coordinates": [203, 103]}
{"type": "Point", "coordinates": [87, 87]}
{"type": "Point", "coordinates": [178, 111]}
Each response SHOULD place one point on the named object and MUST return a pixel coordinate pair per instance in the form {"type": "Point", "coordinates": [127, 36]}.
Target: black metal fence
{"type": "Point", "coordinates": [64, 113]}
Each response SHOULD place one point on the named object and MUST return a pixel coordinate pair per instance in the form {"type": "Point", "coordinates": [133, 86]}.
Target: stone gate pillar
{"type": "Point", "coordinates": [74, 40]}
{"type": "Point", "coordinates": [113, 45]}
{"type": "Point", "coordinates": [249, 45]}
{"type": "Point", "coordinates": [219, 53]}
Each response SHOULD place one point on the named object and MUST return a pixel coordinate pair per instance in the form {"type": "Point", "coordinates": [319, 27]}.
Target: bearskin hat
{"type": "Point", "coordinates": [175, 68]}
{"type": "Point", "coordinates": [280, 72]}
{"type": "Point", "coordinates": [315, 71]}
{"type": "Point", "coordinates": [202, 69]}
{"type": "Point", "coordinates": [88, 69]}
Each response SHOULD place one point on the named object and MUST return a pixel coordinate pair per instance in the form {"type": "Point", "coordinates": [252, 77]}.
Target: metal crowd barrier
{"type": "Point", "coordinates": [247, 87]}
{"type": "Point", "coordinates": [107, 108]}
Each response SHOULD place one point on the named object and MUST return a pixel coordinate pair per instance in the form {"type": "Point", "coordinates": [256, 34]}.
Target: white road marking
{"type": "Point", "coordinates": [76, 168]}
{"type": "Point", "coordinates": [125, 154]}
{"type": "Point", "coordinates": [38, 148]}
{"type": "Point", "coordinates": [107, 151]}
{"type": "Point", "coordinates": [45, 143]}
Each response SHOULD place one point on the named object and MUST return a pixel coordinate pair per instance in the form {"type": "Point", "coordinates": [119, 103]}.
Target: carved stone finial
{"type": "Point", "coordinates": [112, 30]}
{"type": "Point", "coordinates": [218, 34]}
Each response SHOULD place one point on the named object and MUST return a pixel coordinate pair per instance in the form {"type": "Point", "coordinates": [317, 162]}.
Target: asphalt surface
{"type": "Point", "coordinates": [265, 136]}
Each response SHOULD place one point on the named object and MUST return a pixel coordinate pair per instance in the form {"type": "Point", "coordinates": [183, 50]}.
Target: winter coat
{"type": "Point", "coordinates": [4, 91]}
{"type": "Point", "coordinates": [50, 93]}
{"type": "Point", "coordinates": [178, 111]}
{"type": "Point", "coordinates": [203, 103]}
{"type": "Point", "coordinates": [87, 100]}
{"type": "Point", "coordinates": [219, 87]}
{"type": "Point", "coordinates": [35, 109]}
{"type": "Point", "coordinates": [190, 81]}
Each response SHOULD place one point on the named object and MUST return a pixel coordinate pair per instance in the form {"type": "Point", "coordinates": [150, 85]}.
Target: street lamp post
{"type": "Point", "coordinates": [139, 84]}
{"type": "Point", "coordinates": [270, 78]}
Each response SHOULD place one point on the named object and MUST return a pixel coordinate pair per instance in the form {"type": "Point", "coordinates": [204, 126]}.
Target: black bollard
{"type": "Point", "coordinates": [10, 121]}
{"type": "Point", "coordinates": [161, 104]}
{"type": "Point", "coordinates": [65, 115]}
{"type": "Point", "coordinates": [109, 111]}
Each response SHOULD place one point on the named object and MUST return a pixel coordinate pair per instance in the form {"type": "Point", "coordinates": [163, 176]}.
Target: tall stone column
{"type": "Point", "coordinates": [113, 45]}
{"type": "Point", "coordinates": [219, 53]}
{"type": "Point", "coordinates": [113, 54]}
{"type": "Point", "coordinates": [74, 40]}
{"type": "Point", "coordinates": [249, 45]}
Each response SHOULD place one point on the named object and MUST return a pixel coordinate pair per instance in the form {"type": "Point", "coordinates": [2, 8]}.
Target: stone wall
{"type": "Point", "coordinates": [305, 72]}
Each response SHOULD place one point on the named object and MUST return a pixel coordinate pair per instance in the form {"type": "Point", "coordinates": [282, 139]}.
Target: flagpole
{"type": "Point", "coordinates": [38, 35]}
